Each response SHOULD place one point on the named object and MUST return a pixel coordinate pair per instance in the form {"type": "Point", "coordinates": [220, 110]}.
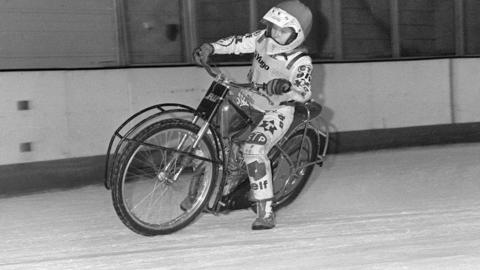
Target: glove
{"type": "Point", "coordinates": [201, 54]}
{"type": "Point", "coordinates": [277, 87]}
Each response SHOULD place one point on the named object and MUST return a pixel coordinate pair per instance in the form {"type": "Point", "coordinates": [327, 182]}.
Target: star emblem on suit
{"type": "Point", "coordinates": [269, 126]}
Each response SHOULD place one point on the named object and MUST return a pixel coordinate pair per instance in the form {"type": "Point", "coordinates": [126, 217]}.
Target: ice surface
{"type": "Point", "coordinates": [416, 208]}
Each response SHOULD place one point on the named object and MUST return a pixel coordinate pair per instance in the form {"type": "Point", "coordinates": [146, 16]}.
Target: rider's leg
{"type": "Point", "coordinates": [198, 170]}
{"type": "Point", "coordinates": [194, 186]}
{"type": "Point", "coordinates": [271, 129]}
{"type": "Point", "coordinates": [236, 172]}
{"type": "Point", "coordinates": [234, 126]}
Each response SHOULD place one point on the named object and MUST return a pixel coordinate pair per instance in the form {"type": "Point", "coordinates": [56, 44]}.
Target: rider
{"type": "Point", "coordinates": [282, 65]}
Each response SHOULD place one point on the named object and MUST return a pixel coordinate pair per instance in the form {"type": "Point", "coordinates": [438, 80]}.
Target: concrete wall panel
{"type": "Point", "coordinates": [43, 125]}
{"type": "Point", "coordinates": [73, 113]}
{"type": "Point", "coordinates": [466, 82]}
{"type": "Point", "coordinates": [410, 93]}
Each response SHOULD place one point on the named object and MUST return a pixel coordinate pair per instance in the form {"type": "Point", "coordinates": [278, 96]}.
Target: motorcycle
{"type": "Point", "coordinates": [168, 152]}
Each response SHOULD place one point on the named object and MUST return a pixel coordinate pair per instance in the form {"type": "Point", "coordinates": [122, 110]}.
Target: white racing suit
{"type": "Point", "coordinates": [296, 67]}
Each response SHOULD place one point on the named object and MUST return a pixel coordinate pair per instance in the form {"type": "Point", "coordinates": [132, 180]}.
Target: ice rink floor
{"type": "Point", "coordinates": [414, 208]}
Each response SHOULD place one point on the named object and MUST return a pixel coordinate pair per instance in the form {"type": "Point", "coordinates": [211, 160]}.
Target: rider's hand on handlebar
{"type": "Point", "coordinates": [277, 87]}
{"type": "Point", "coordinates": [201, 54]}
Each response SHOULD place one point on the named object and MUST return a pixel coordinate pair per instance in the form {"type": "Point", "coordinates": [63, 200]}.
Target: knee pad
{"type": "Point", "coordinates": [259, 172]}
{"type": "Point", "coordinates": [256, 161]}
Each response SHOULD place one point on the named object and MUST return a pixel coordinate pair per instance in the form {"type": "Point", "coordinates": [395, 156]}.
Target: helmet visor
{"type": "Point", "coordinates": [282, 19]}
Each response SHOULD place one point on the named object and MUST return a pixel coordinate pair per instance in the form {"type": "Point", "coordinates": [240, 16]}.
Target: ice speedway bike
{"type": "Point", "coordinates": [168, 152]}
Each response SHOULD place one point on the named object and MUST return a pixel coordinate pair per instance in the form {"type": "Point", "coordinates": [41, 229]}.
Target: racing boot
{"type": "Point", "coordinates": [194, 185]}
{"type": "Point", "coordinates": [265, 216]}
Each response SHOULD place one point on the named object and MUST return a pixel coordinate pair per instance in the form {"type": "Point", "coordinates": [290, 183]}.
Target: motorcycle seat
{"type": "Point", "coordinates": [302, 109]}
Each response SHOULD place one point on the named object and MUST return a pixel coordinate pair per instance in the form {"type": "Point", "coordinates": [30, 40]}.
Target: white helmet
{"type": "Point", "coordinates": [292, 14]}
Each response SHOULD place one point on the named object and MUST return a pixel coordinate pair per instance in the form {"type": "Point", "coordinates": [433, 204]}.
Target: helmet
{"type": "Point", "coordinates": [292, 14]}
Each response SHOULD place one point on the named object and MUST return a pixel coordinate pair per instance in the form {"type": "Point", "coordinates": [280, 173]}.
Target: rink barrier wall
{"type": "Point", "coordinates": [55, 116]}
{"type": "Point", "coordinates": [33, 177]}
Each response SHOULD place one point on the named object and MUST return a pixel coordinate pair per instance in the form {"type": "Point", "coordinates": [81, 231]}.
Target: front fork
{"type": "Point", "coordinates": [164, 172]}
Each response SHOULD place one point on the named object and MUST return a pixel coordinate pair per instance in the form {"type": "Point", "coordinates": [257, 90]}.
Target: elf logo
{"type": "Point", "coordinates": [260, 61]}
{"type": "Point", "coordinates": [259, 185]}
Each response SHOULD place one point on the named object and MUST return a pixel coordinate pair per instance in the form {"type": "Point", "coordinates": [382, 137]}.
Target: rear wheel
{"type": "Point", "coordinates": [145, 192]}
{"type": "Point", "coordinates": [289, 178]}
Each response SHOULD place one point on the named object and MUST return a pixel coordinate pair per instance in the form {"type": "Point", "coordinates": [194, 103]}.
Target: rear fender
{"type": "Point", "coordinates": [319, 127]}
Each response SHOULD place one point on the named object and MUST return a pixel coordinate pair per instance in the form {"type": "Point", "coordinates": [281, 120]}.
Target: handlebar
{"type": "Point", "coordinates": [221, 78]}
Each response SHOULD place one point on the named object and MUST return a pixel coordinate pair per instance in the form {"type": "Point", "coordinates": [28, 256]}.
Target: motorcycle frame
{"type": "Point", "coordinates": [207, 114]}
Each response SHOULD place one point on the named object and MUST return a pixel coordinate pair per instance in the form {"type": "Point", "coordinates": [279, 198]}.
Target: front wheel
{"type": "Point", "coordinates": [151, 182]}
{"type": "Point", "coordinates": [289, 171]}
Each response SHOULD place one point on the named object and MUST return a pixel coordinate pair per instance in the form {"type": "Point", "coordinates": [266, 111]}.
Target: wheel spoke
{"type": "Point", "coordinates": [149, 195]}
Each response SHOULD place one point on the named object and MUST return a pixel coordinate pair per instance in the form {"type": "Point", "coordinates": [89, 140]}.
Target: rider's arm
{"type": "Point", "coordinates": [300, 78]}
{"type": "Point", "coordinates": [237, 44]}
